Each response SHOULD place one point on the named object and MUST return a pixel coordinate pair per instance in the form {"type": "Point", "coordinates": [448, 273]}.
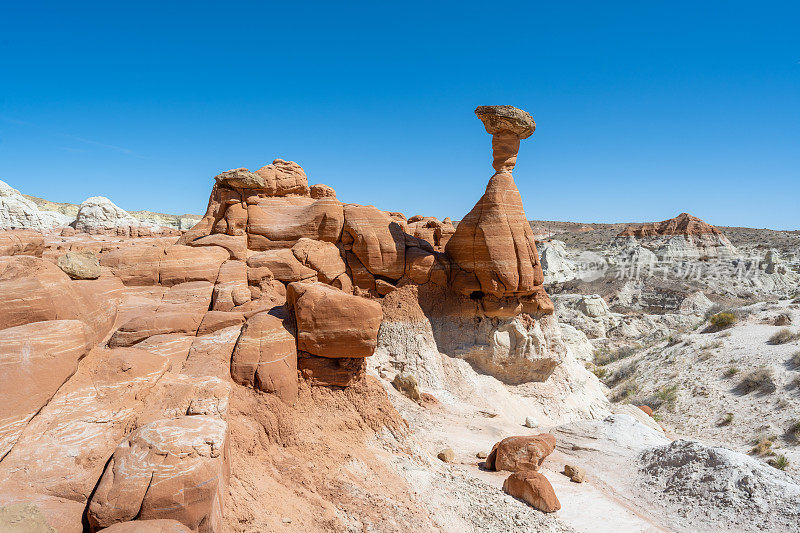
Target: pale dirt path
{"type": "Point", "coordinates": [592, 507]}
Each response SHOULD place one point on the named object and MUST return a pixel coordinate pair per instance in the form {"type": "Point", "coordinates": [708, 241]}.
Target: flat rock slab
{"type": "Point", "coordinates": [36, 359]}
{"type": "Point", "coordinates": [79, 428]}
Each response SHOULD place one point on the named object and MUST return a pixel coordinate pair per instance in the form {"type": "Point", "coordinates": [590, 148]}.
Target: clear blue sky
{"type": "Point", "coordinates": [644, 109]}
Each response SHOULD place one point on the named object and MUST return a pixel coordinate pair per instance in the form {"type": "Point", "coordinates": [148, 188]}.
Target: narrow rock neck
{"type": "Point", "coordinates": [505, 146]}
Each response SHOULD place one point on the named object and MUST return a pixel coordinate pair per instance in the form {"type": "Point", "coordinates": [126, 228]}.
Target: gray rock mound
{"type": "Point", "coordinates": [99, 213]}
{"type": "Point", "coordinates": [17, 212]}
{"type": "Point", "coordinates": [722, 490]}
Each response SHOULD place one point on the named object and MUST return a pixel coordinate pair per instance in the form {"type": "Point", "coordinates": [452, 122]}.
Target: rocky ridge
{"type": "Point", "coordinates": [279, 289]}
{"type": "Point", "coordinates": [95, 215]}
{"type": "Point", "coordinates": [238, 377]}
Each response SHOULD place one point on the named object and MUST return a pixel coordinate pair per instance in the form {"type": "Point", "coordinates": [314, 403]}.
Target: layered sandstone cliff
{"type": "Point", "coordinates": [684, 237]}
{"type": "Point", "coordinates": [280, 288]}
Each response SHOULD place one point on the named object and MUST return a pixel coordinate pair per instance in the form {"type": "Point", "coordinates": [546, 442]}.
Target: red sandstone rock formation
{"type": "Point", "coordinates": [494, 245]}
{"type": "Point", "coordinates": [338, 372]}
{"type": "Point", "coordinates": [333, 324]}
{"type": "Point", "coordinates": [145, 264]}
{"type": "Point", "coordinates": [683, 224]}
{"type": "Point", "coordinates": [265, 357]}
{"type": "Point", "coordinates": [431, 230]}
{"type": "Point", "coordinates": [171, 468]}
{"type": "Point", "coordinates": [37, 359]}
{"type": "Point", "coordinates": [284, 178]}
{"type": "Point", "coordinates": [72, 437]}
{"type": "Point", "coordinates": [278, 288]}
{"type": "Point", "coordinates": [21, 242]}
{"type": "Point", "coordinates": [149, 526]}
{"type": "Point", "coordinates": [34, 290]}
{"type": "Point", "coordinates": [180, 310]}
{"type": "Point", "coordinates": [322, 191]}
{"type": "Point", "coordinates": [375, 239]}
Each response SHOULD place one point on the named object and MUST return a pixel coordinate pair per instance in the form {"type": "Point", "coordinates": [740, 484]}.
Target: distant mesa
{"type": "Point", "coordinates": [684, 237]}
{"type": "Point", "coordinates": [683, 224]}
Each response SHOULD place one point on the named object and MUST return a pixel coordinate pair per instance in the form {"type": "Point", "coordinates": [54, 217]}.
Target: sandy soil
{"type": "Point", "coordinates": [705, 371]}
{"type": "Point", "coordinates": [344, 460]}
{"type": "Point", "coordinates": [468, 430]}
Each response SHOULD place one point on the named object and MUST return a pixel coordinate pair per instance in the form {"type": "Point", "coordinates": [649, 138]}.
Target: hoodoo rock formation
{"type": "Point", "coordinates": [494, 265]}
{"type": "Point", "coordinates": [280, 288]}
{"type": "Point", "coordinates": [494, 245]}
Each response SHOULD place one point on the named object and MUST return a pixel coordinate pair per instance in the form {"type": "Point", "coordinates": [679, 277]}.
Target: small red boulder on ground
{"type": "Point", "coordinates": [521, 453]}
{"type": "Point", "coordinates": [533, 488]}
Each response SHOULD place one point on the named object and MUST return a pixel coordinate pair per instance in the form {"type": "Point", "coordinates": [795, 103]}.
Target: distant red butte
{"type": "Point", "coordinates": [683, 224]}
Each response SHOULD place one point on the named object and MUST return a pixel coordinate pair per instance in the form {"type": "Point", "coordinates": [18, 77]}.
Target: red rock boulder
{"type": "Point", "coordinates": [283, 178]}
{"type": "Point", "coordinates": [239, 178]}
{"type": "Point", "coordinates": [331, 323]}
{"type": "Point", "coordinates": [375, 239]}
{"type": "Point", "coordinates": [533, 488]}
{"type": "Point", "coordinates": [265, 357]}
{"type": "Point", "coordinates": [521, 453]}
{"type": "Point", "coordinates": [321, 190]}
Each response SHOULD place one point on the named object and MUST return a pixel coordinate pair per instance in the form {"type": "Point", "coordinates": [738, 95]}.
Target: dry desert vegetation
{"type": "Point", "coordinates": [293, 362]}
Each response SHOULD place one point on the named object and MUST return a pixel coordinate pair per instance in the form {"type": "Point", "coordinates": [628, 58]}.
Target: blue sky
{"type": "Point", "coordinates": [643, 109]}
